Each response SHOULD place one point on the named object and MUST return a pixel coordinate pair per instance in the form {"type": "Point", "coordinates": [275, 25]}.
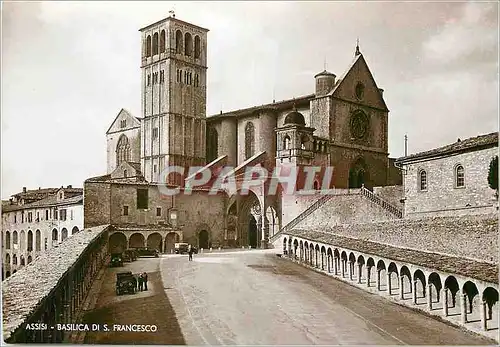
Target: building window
{"type": "Point", "coordinates": [155, 43]}
{"type": "Point", "coordinates": [178, 41]}
{"type": "Point", "coordinates": [249, 140]}
{"type": "Point", "coordinates": [22, 217]}
{"type": "Point", "coordinates": [15, 217]}
{"type": "Point", "coordinates": [122, 150]}
{"type": "Point", "coordinates": [55, 214]}
{"type": "Point", "coordinates": [30, 217]}
{"type": "Point", "coordinates": [196, 80]}
{"type": "Point", "coordinates": [286, 142]}
{"type": "Point", "coordinates": [148, 46]}
{"type": "Point", "coordinates": [155, 133]}
{"type": "Point", "coordinates": [125, 210]}
{"type": "Point", "coordinates": [62, 214]}
{"type": "Point", "coordinates": [46, 214]}
{"type": "Point", "coordinates": [459, 176]}
{"type": "Point", "coordinates": [422, 180]}
{"type": "Point", "coordinates": [197, 47]}
{"type": "Point", "coordinates": [149, 79]}
{"type": "Point", "coordinates": [154, 168]}
{"type": "Point", "coordinates": [142, 199]}
{"type": "Point", "coordinates": [71, 214]}
{"type": "Point", "coordinates": [123, 123]}
{"type": "Point", "coordinates": [38, 216]}
{"type": "Point", "coordinates": [188, 44]}
{"type": "Point", "coordinates": [162, 41]}
{"type": "Point", "coordinates": [158, 212]}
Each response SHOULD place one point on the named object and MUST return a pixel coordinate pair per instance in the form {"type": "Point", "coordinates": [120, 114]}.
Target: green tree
{"type": "Point", "coordinates": [493, 174]}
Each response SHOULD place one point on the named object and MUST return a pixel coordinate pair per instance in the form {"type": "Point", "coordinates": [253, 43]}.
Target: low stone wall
{"type": "Point", "coordinates": [473, 237]}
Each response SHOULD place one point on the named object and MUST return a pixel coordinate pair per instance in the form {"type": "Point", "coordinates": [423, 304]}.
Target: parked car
{"type": "Point", "coordinates": [147, 252]}
{"type": "Point", "coordinates": [181, 248]}
{"type": "Point", "coordinates": [130, 254]}
{"type": "Point", "coordinates": [116, 259]}
{"type": "Point", "coordinates": [125, 283]}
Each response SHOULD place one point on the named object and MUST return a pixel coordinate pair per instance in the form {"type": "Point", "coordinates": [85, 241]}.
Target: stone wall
{"type": "Point", "coordinates": [345, 209]}
{"type": "Point", "coordinates": [293, 205]}
{"type": "Point", "coordinates": [196, 212]}
{"type": "Point", "coordinates": [474, 237]}
{"type": "Point", "coordinates": [442, 197]}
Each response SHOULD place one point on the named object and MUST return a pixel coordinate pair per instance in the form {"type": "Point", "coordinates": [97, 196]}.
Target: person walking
{"type": "Point", "coordinates": [190, 252]}
{"type": "Point", "coordinates": [145, 279]}
{"type": "Point", "coordinates": [140, 280]}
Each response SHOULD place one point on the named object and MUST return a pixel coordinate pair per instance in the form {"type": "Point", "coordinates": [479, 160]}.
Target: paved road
{"type": "Point", "coordinates": [255, 298]}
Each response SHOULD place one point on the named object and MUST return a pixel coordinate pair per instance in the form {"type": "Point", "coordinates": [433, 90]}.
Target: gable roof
{"type": "Point", "coordinates": [361, 60]}
{"type": "Point", "coordinates": [136, 120]}
{"type": "Point", "coordinates": [472, 143]}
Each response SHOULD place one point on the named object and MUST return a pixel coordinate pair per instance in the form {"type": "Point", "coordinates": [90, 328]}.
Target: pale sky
{"type": "Point", "coordinates": [68, 68]}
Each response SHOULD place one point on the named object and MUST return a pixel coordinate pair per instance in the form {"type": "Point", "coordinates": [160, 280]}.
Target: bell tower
{"type": "Point", "coordinates": [173, 96]}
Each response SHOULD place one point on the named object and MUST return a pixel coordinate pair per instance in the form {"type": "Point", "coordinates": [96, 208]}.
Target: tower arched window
{"type": "Point", "coordinates": [122, 150]}
{"type": "Point", "coordinates": [286, 142]}
{"type": "Point", "coordinates": [155, 43]}
{"type": "Point", "coordinates": [30, 241]}
{"type": "Point", "coordinates": [178, 41]}
{"type": "Point", "coordinates": [212, 144]}
{"type": "Point", "coordinates": [249, 140]}
{"type": "Point", "coordinates": [14, 238]}
{"type": "Point", "coordinates": [197, 47]}
{"type": "Point", "coordinates": [162, 41]}
{"type": "Point", "coordinates": [148, 46]}
{"type": "Point", "coordinates": [188, 44]}
{"type": "Point", "coordinates": [459, 176]}
{"type": "Point", "coordinates": [422, 180]}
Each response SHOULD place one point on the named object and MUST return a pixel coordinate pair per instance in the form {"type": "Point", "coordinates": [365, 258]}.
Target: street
{"type": "Point", "coordinates": [255, 298]}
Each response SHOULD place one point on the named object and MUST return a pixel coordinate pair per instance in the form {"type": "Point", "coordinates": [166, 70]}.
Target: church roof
{"type": "Point", "coordinates": [325, 73]}
{"type": "Point", "coordinates": [282, 105]}
{"type": "Point", "coordinates": [470, 144]}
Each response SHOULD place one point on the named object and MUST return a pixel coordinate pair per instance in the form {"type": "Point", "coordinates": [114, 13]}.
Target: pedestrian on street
{"type": "Point", "coordinates": [145, 279]}
{"type": "Point", "coordinates": [190, 252]}
{"type": "Point", "coordinates": [141, 283]}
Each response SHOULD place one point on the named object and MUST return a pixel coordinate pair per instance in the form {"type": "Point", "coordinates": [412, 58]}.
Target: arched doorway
{"type": "Point", "coordinates": [170, 241]}
{"type": "Point", "coordinates": [154, 242]}
{"type": "Point", "coordinates": [136, 241]}
{"type": "Point", "coordinates": [358, 174]}
{"type": "Point", "coordinates": [117, 243]}
{"type": "Point", "coordinates": [203, 239]}
{"type": "Point", "coordinates": [252, 232]}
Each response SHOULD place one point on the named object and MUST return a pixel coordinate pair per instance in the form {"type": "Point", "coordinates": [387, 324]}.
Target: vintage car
{"type": "Point", "coordinates": [147, 252]}
{"type": "Point", "coordinates": [116, 259]}
{"type": "Point", "coordinates": [129, 255]}
{"type": "Point", "coordinates": [125, 283]}
{"type": "Point", "coordinates": [181, 248]}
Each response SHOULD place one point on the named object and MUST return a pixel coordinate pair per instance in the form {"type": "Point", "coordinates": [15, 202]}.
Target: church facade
{"type": "Point", "coordinates": [342, 124]}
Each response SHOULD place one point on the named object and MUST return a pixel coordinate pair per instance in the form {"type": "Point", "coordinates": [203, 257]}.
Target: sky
{"type": "Point", "coordinates": [69, 67]}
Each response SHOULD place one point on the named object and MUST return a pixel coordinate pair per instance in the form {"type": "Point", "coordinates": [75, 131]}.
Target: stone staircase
{"type": "Point", "coordinates": [398, 213]}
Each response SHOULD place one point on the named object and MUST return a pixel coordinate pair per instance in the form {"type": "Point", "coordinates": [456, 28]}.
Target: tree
{"type": "Point", "coordinates": [493, 174]}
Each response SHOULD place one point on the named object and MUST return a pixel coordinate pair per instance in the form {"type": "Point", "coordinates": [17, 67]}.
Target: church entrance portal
{"type": "Point", "coordinates": [252, 232]}
{"type": "Point", "coordinates": [203, 239]}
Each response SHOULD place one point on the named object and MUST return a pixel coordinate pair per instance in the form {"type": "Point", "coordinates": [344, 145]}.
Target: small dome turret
{"type": "Point", "coordinates": [295, 117]}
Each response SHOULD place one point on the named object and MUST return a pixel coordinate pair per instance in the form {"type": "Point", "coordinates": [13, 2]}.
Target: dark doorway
{"type": "Point", "coordinates": [252, 232]}
{"type": "Point", "coordinates": [203, 239]}
{"type": "Point", "coordinates": [356, 178]}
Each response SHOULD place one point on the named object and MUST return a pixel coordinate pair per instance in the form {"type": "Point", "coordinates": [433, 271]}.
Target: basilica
{"type": "Point", "coordinates": [342, 124]}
